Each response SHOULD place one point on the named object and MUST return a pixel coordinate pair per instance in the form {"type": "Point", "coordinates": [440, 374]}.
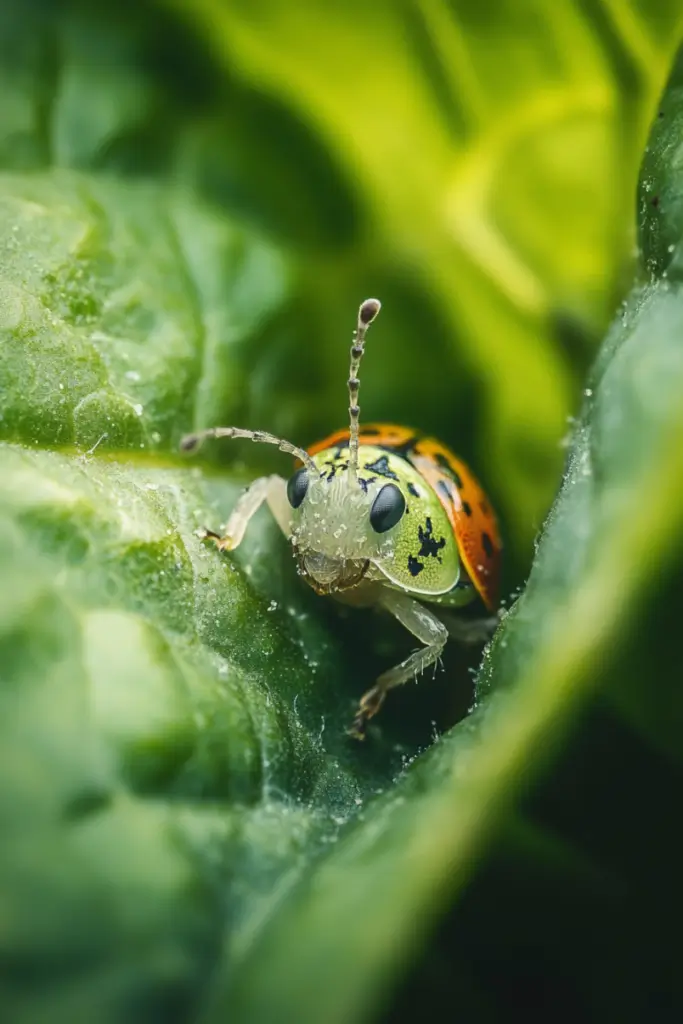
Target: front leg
{"type": "Point", "coordinates": [423, 624]}
{"type": "Point", "coordinates": [273, 490]}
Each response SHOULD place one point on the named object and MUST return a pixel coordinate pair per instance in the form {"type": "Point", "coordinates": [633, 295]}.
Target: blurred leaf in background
{"type": "Point", "coordinates": [193, 199]}
{"type": "Point", "coordinates": [490, 154]}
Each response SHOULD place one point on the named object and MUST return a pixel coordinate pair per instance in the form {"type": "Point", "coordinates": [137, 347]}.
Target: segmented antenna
{"type": "Point", "coordinates": [366, 314]}
{"type": "Point", "coordinates": [191, 442]}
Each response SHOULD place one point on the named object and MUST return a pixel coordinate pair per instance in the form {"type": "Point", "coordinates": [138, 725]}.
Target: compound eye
{"type": "Point", "coordinates": [387, 508]}
{"type": "Point", "coordinates": [297, 486]}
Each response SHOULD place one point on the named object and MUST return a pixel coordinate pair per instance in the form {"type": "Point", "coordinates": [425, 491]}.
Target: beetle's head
{"type": "Point", "coordinates": [342, 532]}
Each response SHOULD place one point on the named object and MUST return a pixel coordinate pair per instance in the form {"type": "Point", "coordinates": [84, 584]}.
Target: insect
{"type": "Point", "coordinates": [381, 517]}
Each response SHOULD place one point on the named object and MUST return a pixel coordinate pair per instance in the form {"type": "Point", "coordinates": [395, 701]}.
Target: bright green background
{"type": "Point", "coordinates": [193, 199]}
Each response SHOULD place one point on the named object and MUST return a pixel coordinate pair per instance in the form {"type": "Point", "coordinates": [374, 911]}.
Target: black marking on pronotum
{"type": "Point", "coordinates": [364, 484]}
{"type": "Point", "coordinates": [335, 466]}
{"type": "Point", "coordinates": [487, 544]}
{"type": "Point", "coordinates": [467, 508]}
{"type": "Point", "coordinates": [381, 467]}
{"type": "Point", "coordinates": [412, 489]}
{"type": "Point", "coordinates": [430, 546]}
{"type": "Point", "coordinates": [446, 464]}
{"type": "Point", "coordinates": [414, 567]}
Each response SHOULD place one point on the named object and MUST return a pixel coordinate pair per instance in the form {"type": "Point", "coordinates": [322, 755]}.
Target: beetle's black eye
{"type": "Point", "coordinates": [387, 508]}
{"type": "Point", "coordinates": [297, 486]}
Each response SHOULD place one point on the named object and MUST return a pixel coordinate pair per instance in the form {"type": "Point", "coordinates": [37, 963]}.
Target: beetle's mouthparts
{"type": "Point", "coordinates": [322, 568]}
{"type": "Point", "coordinates": [327, 575]}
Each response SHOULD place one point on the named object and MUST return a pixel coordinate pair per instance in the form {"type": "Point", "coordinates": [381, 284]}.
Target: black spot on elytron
{"type": "Point", "coordinates": [483, 505]}
{"type": "Point", "coordinates": [402, 449]}
{"type": "Point", "coordinates": [381, 467]}
{"type": "Point", "coordinates": [467, 508]}
{"type": "Point", "coordinates": [487, 544]}
{"type": "Point", "coordinates": [370, 431]}
{"type": "Point", "coordinates": [430, 545]}
{"type": "Point", "coordinates": [414, 567]}
{"type": "Point", "coordinates": [412, 489]}
{"type": "Point", "coordinates": [445, 463]}
{"type": "Point", "coordinates": [364, 483]}
{"type": "Point", "coordinates": [445, 488]}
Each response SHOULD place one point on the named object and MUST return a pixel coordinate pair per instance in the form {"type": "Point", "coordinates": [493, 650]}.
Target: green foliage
{"type": "Point", "coordinates": [193, 198]}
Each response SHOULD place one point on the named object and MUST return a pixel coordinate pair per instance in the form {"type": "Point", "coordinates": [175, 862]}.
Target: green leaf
{"type": "Point", "coordinates": [103, 345]}
{"type": "Point", "coordinates": [189, 207]}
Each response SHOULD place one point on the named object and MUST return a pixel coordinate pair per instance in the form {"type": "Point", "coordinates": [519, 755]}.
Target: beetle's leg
{"type": "Point", "coordinates": [471, 631]}
{"type": "Point", "coordinates": [272, 489]}
{"type": "Point", "coordinates": [423, 624]}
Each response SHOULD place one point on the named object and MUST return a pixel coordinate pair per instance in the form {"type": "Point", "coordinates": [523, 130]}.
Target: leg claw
{"type": "Point", "coordinates": [357, 730]}
{"type": "Point", "coordinates": [370, 704]}
{"type": "Point", "coordinates": [222, 543]}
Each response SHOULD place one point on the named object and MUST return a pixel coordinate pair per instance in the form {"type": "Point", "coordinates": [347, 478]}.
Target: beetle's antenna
{"type": "Point", "coordinates": [366, 314]}
{"type": "Point", "coordinates": [191, 442]}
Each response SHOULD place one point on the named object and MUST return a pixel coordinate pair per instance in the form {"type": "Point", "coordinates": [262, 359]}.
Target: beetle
{"type": "Point", "coordinates": [383, 517]}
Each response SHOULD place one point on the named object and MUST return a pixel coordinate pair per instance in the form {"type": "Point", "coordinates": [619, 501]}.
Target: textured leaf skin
{"type": "Point", "coordinates": [188, 211]}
